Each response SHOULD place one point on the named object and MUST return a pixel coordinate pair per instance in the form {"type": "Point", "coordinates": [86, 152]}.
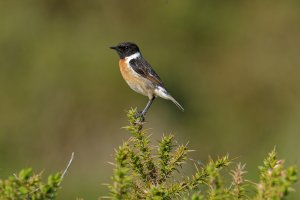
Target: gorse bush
{"type": "Point", "coordinates": [145, 171]}
{"type": "Point", "coordinates": [27, 185]}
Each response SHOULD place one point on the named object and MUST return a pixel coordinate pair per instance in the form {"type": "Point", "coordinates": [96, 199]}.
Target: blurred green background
{"type": "Point", "coordinates": [233, 65]}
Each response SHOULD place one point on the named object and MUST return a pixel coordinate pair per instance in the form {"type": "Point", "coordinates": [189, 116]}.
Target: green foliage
{"type": "Point", "coordinates": [143, 171]}
{"type": "Point", "coordinates": [275, 180]}
{"type": "Point", "coordinates": [29, 186]}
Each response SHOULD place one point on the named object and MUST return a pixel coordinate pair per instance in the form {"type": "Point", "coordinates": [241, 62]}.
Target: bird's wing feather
{"type": "Point", "coordinates": [143, 68]}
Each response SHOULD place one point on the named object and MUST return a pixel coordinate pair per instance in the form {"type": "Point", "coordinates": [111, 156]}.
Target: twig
{"type": "Point", "coordinates": [66, 169]}
{"type": "Point", "coordinates": [62, 176]}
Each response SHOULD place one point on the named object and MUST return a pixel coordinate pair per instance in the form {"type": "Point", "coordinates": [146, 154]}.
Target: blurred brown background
{"type": "Point", "coordinates": [236, 73]}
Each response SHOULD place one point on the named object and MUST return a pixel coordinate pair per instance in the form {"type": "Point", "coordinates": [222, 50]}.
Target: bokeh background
{"type": "Point", "coordinates": [234, 66]}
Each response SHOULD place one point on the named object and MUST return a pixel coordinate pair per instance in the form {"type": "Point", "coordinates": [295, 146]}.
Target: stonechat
{"type": "Point", "coordinates": [140, 76]}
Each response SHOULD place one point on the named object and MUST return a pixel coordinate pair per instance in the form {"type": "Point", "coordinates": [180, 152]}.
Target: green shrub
{"type": "Point", "coordinates": [27, 185]}
{"type": "Point", "coordinates": [144, 171]}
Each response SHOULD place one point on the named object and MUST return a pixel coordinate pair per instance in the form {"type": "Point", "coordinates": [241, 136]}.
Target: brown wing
{"type": "Point", "coordinates": [143, 68]}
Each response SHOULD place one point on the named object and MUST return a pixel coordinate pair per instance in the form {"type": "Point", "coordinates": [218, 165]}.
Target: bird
{"type": "Point", "coordinates": [140, 76]}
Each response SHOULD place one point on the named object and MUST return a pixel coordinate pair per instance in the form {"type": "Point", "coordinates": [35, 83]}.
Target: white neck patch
{"type": "Point", "coordinates": [133, 56]}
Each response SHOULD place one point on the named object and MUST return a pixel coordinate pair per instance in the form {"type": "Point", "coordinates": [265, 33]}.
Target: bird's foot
{"type": "Point", "coordinates": [140, 118]}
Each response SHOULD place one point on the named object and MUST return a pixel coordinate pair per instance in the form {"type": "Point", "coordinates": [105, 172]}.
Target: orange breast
{"type": "Point", "coordinates": [125, 71]}
{"type": "Point", "coordinates": [135, 82]}
{"type": "Point", "coordinates": [129, 75]}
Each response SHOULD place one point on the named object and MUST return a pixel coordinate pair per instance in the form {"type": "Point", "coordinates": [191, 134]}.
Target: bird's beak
{"type": "Point", "coordinates": [115, 48]}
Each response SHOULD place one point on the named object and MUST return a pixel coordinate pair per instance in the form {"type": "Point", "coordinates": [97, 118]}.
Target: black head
{"type": "Point", "coordinates": [126, 49]}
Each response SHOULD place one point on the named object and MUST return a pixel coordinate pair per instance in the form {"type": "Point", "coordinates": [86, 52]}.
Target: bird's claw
{"type": "Point", "coordinates": [140, 118]}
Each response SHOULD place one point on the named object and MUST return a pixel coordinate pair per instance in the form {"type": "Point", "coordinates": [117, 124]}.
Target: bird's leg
{"type": "Point", "coordinates": [141, 114]}
{"type": "Point", "coordinates": [147, 106]}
